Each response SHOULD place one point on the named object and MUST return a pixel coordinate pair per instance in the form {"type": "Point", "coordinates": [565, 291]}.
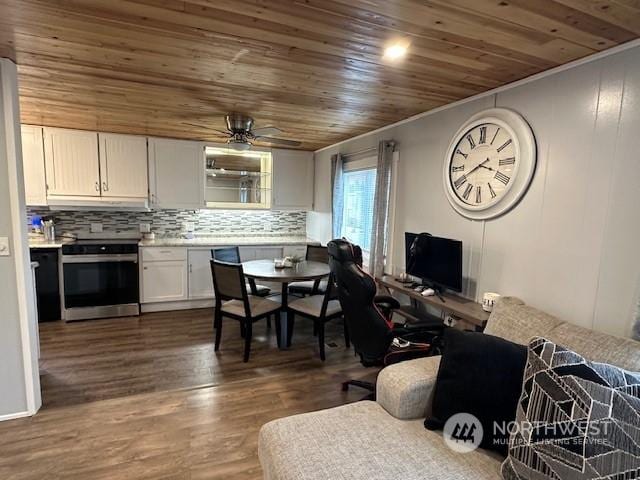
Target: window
{"type": "Point", "coordinates": [357, 217]}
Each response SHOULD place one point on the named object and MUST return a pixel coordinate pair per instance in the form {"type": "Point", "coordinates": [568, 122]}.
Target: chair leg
{"type": "Point", "coordinates": [269, 322]}
{"type": "Point", "coordinates": [315, 329]}
{"type": "Point", "coordinates": [242, 330]}
{"type": "Point", "coordinates": [347, 340]}
{"type": "Point", "coordinates": [247, 341]}
{"type": "Point", "coordinates": [320, 325]}
{"type": "Point", "coordinates": [218, 324]}
{"type": "Point", "coordinates": [290, 321]}
{"type": "Point", "coordinates": [278, 329]}
{"type": "Point", "coordinates": [359, 383]}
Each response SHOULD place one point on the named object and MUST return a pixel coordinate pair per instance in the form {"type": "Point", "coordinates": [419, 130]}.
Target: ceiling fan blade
{"type": "Point", "coordinates": [262, 131]}
{"type": "Point", "coordinates": [207, 128]}
{"type": "Point", "coordinates": [278, 141]}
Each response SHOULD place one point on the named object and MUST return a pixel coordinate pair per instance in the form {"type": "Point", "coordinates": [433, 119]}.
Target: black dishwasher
{"type": "Point", "coordinates": [47, 283]}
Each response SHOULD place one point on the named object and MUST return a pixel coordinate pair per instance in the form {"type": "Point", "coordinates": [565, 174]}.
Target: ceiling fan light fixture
{"type": "Point", "coordinates": [239, 145]}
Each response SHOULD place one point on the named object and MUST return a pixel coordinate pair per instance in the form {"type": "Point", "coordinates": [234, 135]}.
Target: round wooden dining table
{"type": "Point", "coordinates": [266, 271]}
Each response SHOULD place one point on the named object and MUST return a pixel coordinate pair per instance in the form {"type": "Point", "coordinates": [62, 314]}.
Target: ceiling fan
{"type": "Point", "coordinates": [241, 134]}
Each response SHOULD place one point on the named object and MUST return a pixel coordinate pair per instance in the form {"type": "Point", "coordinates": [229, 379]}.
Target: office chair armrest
{"type": "Point", "coordinates": [386, 301]}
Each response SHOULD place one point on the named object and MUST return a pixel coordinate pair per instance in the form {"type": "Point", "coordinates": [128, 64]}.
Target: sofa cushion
{"type": "Point", "coordinates": [578, 419]}
{"type": "Point", "coordinates": [517, 322]}
{"type": "Point", "coordinates": [481, 375]}
{"type": "Point", "coordinates": [405, 389]}
{"type": "Point", "coordinates": [362, 441]}
{"type": "Point", "coordinates": [597, 346]}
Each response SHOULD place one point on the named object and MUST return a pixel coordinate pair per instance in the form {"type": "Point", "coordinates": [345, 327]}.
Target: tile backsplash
{"type": "Point", "coordinates": [172, 222]}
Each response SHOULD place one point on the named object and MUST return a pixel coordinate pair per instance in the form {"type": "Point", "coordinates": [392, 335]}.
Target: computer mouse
{"type": "Point", "coordinates": [428, 292]}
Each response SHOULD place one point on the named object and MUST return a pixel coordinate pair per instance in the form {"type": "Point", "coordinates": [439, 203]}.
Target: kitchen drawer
{"type": "Point", "coordinates": [160, 254]}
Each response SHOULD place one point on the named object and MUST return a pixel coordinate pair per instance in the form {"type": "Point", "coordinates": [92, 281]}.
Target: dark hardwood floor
{"type": "Point", "coordinates": [147, 397]}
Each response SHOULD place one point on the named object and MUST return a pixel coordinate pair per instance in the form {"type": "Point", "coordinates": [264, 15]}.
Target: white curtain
{"type": "Point", "coordinates": [380, 227]}
{"type": "Point", "coordinates": [337, 197]}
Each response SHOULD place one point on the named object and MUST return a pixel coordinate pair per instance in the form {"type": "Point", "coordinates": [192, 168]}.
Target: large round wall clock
{"type": "Point", "coordinates": [489, 164]}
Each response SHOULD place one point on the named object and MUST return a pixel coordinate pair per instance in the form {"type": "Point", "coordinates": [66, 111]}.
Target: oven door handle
{"type": "Point", "coordinates": [131, 257]}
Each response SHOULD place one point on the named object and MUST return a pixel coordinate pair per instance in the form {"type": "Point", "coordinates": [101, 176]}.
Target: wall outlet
{"type": "Point", "coordinates": [96, 228]}
{"type": "Point", "coordinates": [145, 228]}
{"type": "Point", "coordinates": [189, 226]}
{"type": "Point", "coordinates": [4, 247]}
{"type": "Point", "coordinates": [450, 321]}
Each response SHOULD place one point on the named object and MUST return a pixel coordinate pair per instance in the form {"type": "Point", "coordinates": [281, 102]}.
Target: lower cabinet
{"type": "Point", "coordinates": [200, 279]}
{"type": "Point", "coordinates": [260, 253]}
{"type": "Point", "coordinates": [181, 276]}
{"type": "Point", "coordinates": [295, 251]}
{"type": "Point", "coordinates": [164, 281]}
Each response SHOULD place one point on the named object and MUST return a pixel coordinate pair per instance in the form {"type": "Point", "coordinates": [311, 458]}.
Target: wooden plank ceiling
{"type": "Point", "coordinates": [313, 68]}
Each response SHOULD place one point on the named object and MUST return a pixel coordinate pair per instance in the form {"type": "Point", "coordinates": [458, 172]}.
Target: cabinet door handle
{"type": "Point", "coordinates": [97, 186]}
{"type": "Point", "coordinates": [190, 268]}
{"type": "Point", "coordinates": [105, 186]}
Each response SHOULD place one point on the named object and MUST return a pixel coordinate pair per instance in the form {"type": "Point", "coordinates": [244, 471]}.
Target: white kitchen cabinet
{"type": "Point", "coordinates": [123, 166]}
{"type": "Point", "coordinates": [164, 281]}
{"type": "Point", "coordinates": [259, 253]}
{"type": "Point", "coordinates": [293, 172]}
{"type": "Point", "coordinates": [295, 251]}
{"type": "Point", "coordinates": [35, 183]}
{"type": "Point", "coordinates": [200, 279]}
{"type": "Point", "coordinates": [268, 253]}
{"type": "Point", "coordinates": [71, 160]}
{"type": "Point", "coordinates": [247, 253]}
{"type": "Point", "coordinates": [176, 171]}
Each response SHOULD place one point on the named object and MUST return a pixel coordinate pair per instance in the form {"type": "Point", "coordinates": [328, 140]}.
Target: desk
{"type": "Point", "coordinates": [460, 307]}
{"type": "Point", "coordinates": [265, 270]}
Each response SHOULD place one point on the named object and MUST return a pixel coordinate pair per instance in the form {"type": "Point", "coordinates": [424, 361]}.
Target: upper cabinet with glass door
{"type": "Point", "coordinates": [237, 179]}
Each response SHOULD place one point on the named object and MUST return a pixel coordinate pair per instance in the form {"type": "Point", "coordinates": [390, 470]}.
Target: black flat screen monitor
{"type": "Point", "coordinates": [435, 260]}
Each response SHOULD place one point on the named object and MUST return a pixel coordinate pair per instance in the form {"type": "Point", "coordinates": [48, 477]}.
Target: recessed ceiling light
{"type": "Point", "coordinates": [396, 51]}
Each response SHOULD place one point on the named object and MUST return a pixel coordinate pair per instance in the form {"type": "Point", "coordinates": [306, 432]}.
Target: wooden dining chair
{"type": "Point", "coordinates": [232, 255]}
{"type": "Point", "coordinates": [320, 309]}
{"type": "Point", "coordinates": [233, 301]}
{"type": "Point", "coordinates": [315, 253]}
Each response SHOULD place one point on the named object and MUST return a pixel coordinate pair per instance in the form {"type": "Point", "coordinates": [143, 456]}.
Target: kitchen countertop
{"type": "Point", "coordinates": [227, 240]}
{"type": "Point", "coordinates": [256, 240]}
{"type": "Point", "coordinates": [42, 243]}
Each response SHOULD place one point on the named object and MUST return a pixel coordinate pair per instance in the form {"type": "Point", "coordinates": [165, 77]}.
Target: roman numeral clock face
{"type": "Point", "coordinates": [489, 164]}
{"type": "Point", "coordinates": [483, 164]}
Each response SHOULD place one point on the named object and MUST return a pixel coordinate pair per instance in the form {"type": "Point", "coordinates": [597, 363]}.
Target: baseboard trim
{"type": "Point", "coordinates": [14, 416]}
{"type": "Point", "coordinates": [180, 305]}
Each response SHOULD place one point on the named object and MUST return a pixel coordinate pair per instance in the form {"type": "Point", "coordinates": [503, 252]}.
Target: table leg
{"type": "Point", "coordinates": [284, 317]}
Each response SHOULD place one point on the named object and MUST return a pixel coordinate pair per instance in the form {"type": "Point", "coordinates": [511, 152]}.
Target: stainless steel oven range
{"type": "Point", "coordinates": [99, 279]}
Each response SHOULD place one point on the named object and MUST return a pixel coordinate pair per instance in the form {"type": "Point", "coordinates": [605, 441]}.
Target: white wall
{"type": "Point", "coordinates": [569, 247]}
{"type": "Point", "coordinates": [18, 396]}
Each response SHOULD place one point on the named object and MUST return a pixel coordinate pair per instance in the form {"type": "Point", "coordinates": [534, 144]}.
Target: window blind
{"type": "Point", "coordinates": [357, 220]}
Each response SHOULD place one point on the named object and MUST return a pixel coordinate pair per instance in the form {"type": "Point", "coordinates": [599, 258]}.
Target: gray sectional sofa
{"type": "Point", "coordinates": [386, 439]}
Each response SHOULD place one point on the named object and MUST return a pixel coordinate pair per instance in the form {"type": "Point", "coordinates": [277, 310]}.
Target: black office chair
{"type": "Point", "coordinates": [368, 316]}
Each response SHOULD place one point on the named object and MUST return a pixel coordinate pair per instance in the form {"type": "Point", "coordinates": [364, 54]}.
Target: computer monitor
{"type": "Point", "coordinates": [436, 261]}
